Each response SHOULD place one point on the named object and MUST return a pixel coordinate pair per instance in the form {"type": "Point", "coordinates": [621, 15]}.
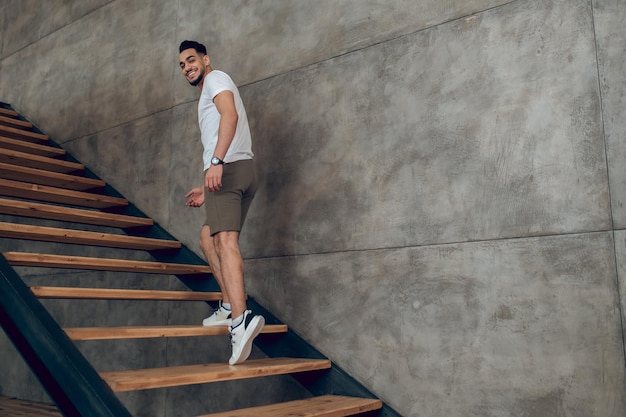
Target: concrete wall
{"type": "Point", "coordinates": [442, 203]}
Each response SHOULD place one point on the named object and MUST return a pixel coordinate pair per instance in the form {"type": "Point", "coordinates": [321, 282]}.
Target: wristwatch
{"type": "Point", "coordinates": [216, 161]}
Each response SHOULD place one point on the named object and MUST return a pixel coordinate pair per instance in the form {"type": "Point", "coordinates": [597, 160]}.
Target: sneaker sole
{"type": "Point", "coordinates": [255, 327]}
{"type": "Point", "coordinates": [218, 323]}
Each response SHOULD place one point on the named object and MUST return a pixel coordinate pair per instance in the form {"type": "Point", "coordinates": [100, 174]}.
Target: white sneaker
{"type": "Point", "coordinates": [220, 317]}
{"type": "Point", "coordinates": [241, 337]}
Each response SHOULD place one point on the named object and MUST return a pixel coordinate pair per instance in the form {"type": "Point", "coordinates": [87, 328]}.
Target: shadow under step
{"type": "Point", "coordinates": [74, 215]}
{"type": "Point", "coordinates": [324, 406]}
{"type": "Point", "coordinates": [14, 133]}
{"type": "Point", "coordinates": [13, 121]}
{"type": "Point", "coordinates": [81, 237]}
{"type": "Point", "coordinates": [144, 332]}
{"type": "Point", "coordinates": [59, 195]}
{"type": "Point", "coordinates": [140, 379]}
{"type": "Point", "coordinates": [25, 159]}
{"type": "Point", "coordinates": [102, 264]}
{"type": "Point", "coordinates": [49, 178]}
{"type": "Point", "coordinates": [123, 294]}
{"type": "Point", "coordinates": [31, 148]}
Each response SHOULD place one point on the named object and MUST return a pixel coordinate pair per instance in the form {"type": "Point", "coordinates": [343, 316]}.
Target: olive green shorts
{"type": "Point", "coordinates": [227, 208]}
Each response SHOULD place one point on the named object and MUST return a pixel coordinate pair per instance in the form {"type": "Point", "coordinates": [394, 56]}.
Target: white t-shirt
{"type": "Point", "coordinates": [209, 118]}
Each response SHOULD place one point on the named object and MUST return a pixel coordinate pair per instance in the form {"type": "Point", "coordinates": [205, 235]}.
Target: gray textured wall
{"type": "Point", "coordinates": [442, 210]}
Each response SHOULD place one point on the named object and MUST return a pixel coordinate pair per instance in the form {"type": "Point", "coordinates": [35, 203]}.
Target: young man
{"type": "Point", "coordinates": [229, 185]}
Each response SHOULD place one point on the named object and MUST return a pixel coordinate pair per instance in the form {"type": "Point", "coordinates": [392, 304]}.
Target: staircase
{"type": "Point", "coordinates": [39, 180]}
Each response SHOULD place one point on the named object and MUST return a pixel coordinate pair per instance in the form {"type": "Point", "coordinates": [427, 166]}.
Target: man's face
{"type": "Point", "coordinates": [193, 65]}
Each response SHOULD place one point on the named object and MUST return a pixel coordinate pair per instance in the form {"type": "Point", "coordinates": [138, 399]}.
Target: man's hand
{"type": "Point", "coordinates": [195, 197]}
{"type": "Point", "coordinates": [213, 178]}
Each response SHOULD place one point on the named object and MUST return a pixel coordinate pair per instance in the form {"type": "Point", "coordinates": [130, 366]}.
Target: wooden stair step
{"type": "Point", "coordinates": [58, 195]}
{"type": "Point", "coordinates": [324, 406]}
{"type": "Point", "coordinates": [13, 407]}
{"type": "Point", "coordinates": [67, 214]}
{"type": "Point", "coordinates": [14, 122]}
{"type": "Point", "coordinates": [123, 294]}
{"type": "Point", "coordinates": [25, 159]}
{"type": "Point", "coordinates": [142, 332]}
{"type": "Point", "coordinates": [52, 179]}
{"type": "Point", "coordinates": [102, 264]}
{"type": "Point", "coordinates": [12, 132]}
{"type": "Point", "coordinates": [81, 237]}
{"type": "Point", "coordinates": [9, 113]}
{"type": "Point", "coordinates": [140, 379]}
{"type": "Point", "coordinates": [31, 148]}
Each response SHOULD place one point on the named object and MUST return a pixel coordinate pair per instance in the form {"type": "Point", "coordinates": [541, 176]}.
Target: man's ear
{"type": "Point", "coordinates": [206, 60]}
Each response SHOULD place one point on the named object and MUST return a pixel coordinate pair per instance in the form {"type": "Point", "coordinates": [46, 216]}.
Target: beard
{"type": "Point", "coordinates": [197, 80]}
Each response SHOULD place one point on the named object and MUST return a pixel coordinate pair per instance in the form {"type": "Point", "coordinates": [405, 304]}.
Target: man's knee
{"type": "Point", "coordinates": [226, 241]}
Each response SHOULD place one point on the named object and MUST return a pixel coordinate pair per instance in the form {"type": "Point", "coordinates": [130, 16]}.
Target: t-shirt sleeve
{"type": "Point", "coordinates": [217, 83]}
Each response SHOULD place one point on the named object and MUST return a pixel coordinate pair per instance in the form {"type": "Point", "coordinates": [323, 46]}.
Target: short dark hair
{"type": "Point", "coordinates": [192, 44]}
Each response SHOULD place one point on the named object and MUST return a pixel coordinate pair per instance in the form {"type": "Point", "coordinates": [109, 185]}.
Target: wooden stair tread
{"type": "Point", "coordinates": [81, 237]}
{"type": "Point", "coordinates": [52, 179]}
{"type": "Point", "coordinates": [102, 264]}
{"type": "Point", "coordinates": [140, 332]}
{"type": "Point", "coordinates": [123, 294]}
{"type": "Point", "coordinates": [324, 406]}
{"type": "Point", "coordinates": [26, 159]}
{"type": "Point", "coordinates": [58, 195]}
{"type": "Point", "coordinates": [12, 407]}
{"type": "Point", "coordinates": [67, 214]}
{"type": "Point", "coordinates": [139, 379]}
{"type": "Point", "coordinates": [8, 112]}
{"type": "Point", "coordinates": [31, 148]}
{"type": "Point", "coordinates": [11, 132]}
{"type": "Point", "coordinates": [14, 122]}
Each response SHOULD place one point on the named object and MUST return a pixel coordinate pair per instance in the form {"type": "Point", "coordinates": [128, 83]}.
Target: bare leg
{"type": "Point", "coordinates": [207, 244]}
{"type": "Point", "coordinates": [231, 263]}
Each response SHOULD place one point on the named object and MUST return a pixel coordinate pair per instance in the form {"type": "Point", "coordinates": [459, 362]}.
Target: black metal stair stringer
{"type": "Point", "coordinates": [63, 371]}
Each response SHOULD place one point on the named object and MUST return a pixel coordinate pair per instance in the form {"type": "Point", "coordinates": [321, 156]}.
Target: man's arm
{"type": "Point", "coordinates": [225, 104]}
